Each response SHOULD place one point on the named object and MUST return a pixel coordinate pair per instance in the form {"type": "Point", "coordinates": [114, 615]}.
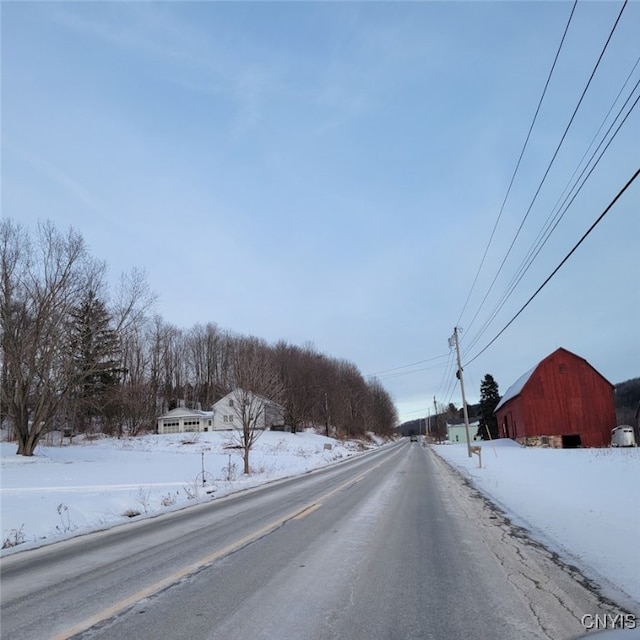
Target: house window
{"type": "Point", "coordinates": [562, 368]}
{"type": "Point", "coordinates": [228, 419]}
{"type": "Point", "coordinates": [231, 402]}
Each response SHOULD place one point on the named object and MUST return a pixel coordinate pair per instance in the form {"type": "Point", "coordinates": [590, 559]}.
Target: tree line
{"type": "Point", "coordinates": [76, 356]}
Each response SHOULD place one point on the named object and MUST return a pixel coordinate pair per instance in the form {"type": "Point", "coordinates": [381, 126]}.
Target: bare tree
{"type": "Point", "coordinates": [296, 369]}
{"type": "Point", "coordinates": [168, 376]}
{"type": "Point", "coordinates": [134, 408]}
{"type": "Point", "coordinates": [207, 351]}
{"type": "Point", "coordinates": [257, 394]}
{"type": "Point", "coordinates": [40, 285]}
{"type": "Point", "coordinates": [351, 392]}
{"type": "Point", "coordinates": [137, 404]}
{"type": "Point", "coordinates": [383, 413]}
{"type": "Point", "coordinates": [132, 302]}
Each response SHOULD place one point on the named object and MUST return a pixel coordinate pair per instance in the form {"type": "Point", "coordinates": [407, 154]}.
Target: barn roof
{"type": "Point", "coordinates": [515, 389]}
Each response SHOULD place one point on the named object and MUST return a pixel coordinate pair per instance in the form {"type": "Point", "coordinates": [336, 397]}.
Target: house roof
{"type": "Point", "coordinates": [473, 422]}
{"type": "Point", "coordinates": [239, 394]}
{"type": "Point", "coordinates": [183, 412]}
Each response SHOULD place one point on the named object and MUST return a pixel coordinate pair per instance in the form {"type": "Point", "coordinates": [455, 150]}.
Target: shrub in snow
{"type": "Point", "coordinates": [229, 471]}
{"type": "Point", "coordinates": [143, 498]}
{"type": "Point", "coordinates": [15, 537]}
{"type": "Point", "coordinates": [191, 490]}
{"type": "Point", "coordinates": [65, 519]}
{"type": "Point", "coordinates": [169, 500]}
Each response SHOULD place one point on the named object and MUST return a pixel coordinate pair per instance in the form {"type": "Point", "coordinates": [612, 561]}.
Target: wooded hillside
{"type": "Point", "coordinates": [81, 358]}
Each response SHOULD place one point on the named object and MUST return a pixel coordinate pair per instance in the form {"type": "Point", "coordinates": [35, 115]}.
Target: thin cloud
{"type": "Point", "coordinates": [59, 177]}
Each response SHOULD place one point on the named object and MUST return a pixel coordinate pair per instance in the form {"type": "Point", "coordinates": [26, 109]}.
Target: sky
{"type": "Point", "coordinates": [338, 173]}
{"type": "Point", "coordinates": [66, 491]}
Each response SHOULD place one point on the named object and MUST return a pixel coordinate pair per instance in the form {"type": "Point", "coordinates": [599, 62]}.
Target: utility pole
{"type": "Point", "coordinates": [453, 340]}
{"type": "Point", "coordinates": [435, 417]}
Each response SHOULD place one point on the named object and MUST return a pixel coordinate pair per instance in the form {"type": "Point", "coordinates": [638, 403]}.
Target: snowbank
{"type": "Point", "coordinates": [583, 503]}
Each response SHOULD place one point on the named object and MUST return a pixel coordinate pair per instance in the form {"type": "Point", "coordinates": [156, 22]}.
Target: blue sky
{"type": "Point", "coordinates": [331, 172]}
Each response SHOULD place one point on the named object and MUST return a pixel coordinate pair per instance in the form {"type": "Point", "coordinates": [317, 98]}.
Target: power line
{"type": "Point", "coordinates": [405, 366]}
{"type": "Point", "coordinates": [515, 171]}
{"type": "Point", "coordinates": [553, 273]}
{"type": "Point", "coordinates": [399, 374]}
{"type": "Point", "coordinates": [551, 162]}
{"type": "Point", "coordinates": [446, 377]}
{"type": "Point", "coordinates": [554, 218]}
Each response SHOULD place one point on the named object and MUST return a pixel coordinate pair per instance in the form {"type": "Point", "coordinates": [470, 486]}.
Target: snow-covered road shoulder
{"type": "Point", "coordinates": [581, 503]}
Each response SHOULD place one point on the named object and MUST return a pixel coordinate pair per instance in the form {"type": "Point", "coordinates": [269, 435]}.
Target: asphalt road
{"type": "Point", "coordinates": [392, 545]}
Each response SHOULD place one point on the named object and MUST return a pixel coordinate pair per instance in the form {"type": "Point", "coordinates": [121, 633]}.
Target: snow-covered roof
{"type": "Point", "coordinates": [183, 411]}
{"type": "Point", "coordinates": [239, 394]}
{"type": "Point", "coordinates": [473, 422]}
{"type": "Point", "coordinates": [515, 389]}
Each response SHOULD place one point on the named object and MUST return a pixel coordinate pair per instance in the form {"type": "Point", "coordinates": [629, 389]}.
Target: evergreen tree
{"type": "Point", "coordinates": [96, 359]}
{"type": "Point", "coordinates": [489, 398]}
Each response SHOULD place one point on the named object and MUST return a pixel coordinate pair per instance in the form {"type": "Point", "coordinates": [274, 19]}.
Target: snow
{"type": "Point", "coordinates": [64, 491]}
{"type": "Point", "coordinates": [582, 503]}
{"type": "Point", "coordinates": [516, 387]}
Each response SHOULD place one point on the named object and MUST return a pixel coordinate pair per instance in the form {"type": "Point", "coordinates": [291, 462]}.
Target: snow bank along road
{"type": "Point", "coordinates": [389, 545]}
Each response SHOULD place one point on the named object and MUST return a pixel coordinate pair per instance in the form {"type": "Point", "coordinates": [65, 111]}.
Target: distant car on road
{"type": "Point", "coordinates": [413, 438]}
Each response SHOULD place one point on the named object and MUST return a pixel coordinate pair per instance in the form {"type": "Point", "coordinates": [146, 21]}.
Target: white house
{"type": "Point", "coordinates": [180, 419]}
{"type": "Point", "coordinates": [227, 411]}
{"type": "Point", "coordinates": [224, 415]}
{"type": "Point", "coordinates": [456, 431]}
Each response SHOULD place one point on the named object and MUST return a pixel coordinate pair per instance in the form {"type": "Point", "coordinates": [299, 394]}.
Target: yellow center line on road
{"type": "Point", "coordinates": [307, 511]}
{"type": "Point", "coordinates": [194, 567]}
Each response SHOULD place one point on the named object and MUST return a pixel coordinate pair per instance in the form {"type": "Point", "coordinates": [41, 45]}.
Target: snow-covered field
{"type": "Point", "coordinates": [92, 484]}
{"type": "Point", "coordinates": [582, 503]}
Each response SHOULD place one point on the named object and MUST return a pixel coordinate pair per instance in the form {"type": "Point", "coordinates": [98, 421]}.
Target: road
{"type": "Point", "coordinates": [391, 545]}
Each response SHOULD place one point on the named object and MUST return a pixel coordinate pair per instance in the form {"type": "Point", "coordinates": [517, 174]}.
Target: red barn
{"type": "Point", "coordinates": [562, 402]}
